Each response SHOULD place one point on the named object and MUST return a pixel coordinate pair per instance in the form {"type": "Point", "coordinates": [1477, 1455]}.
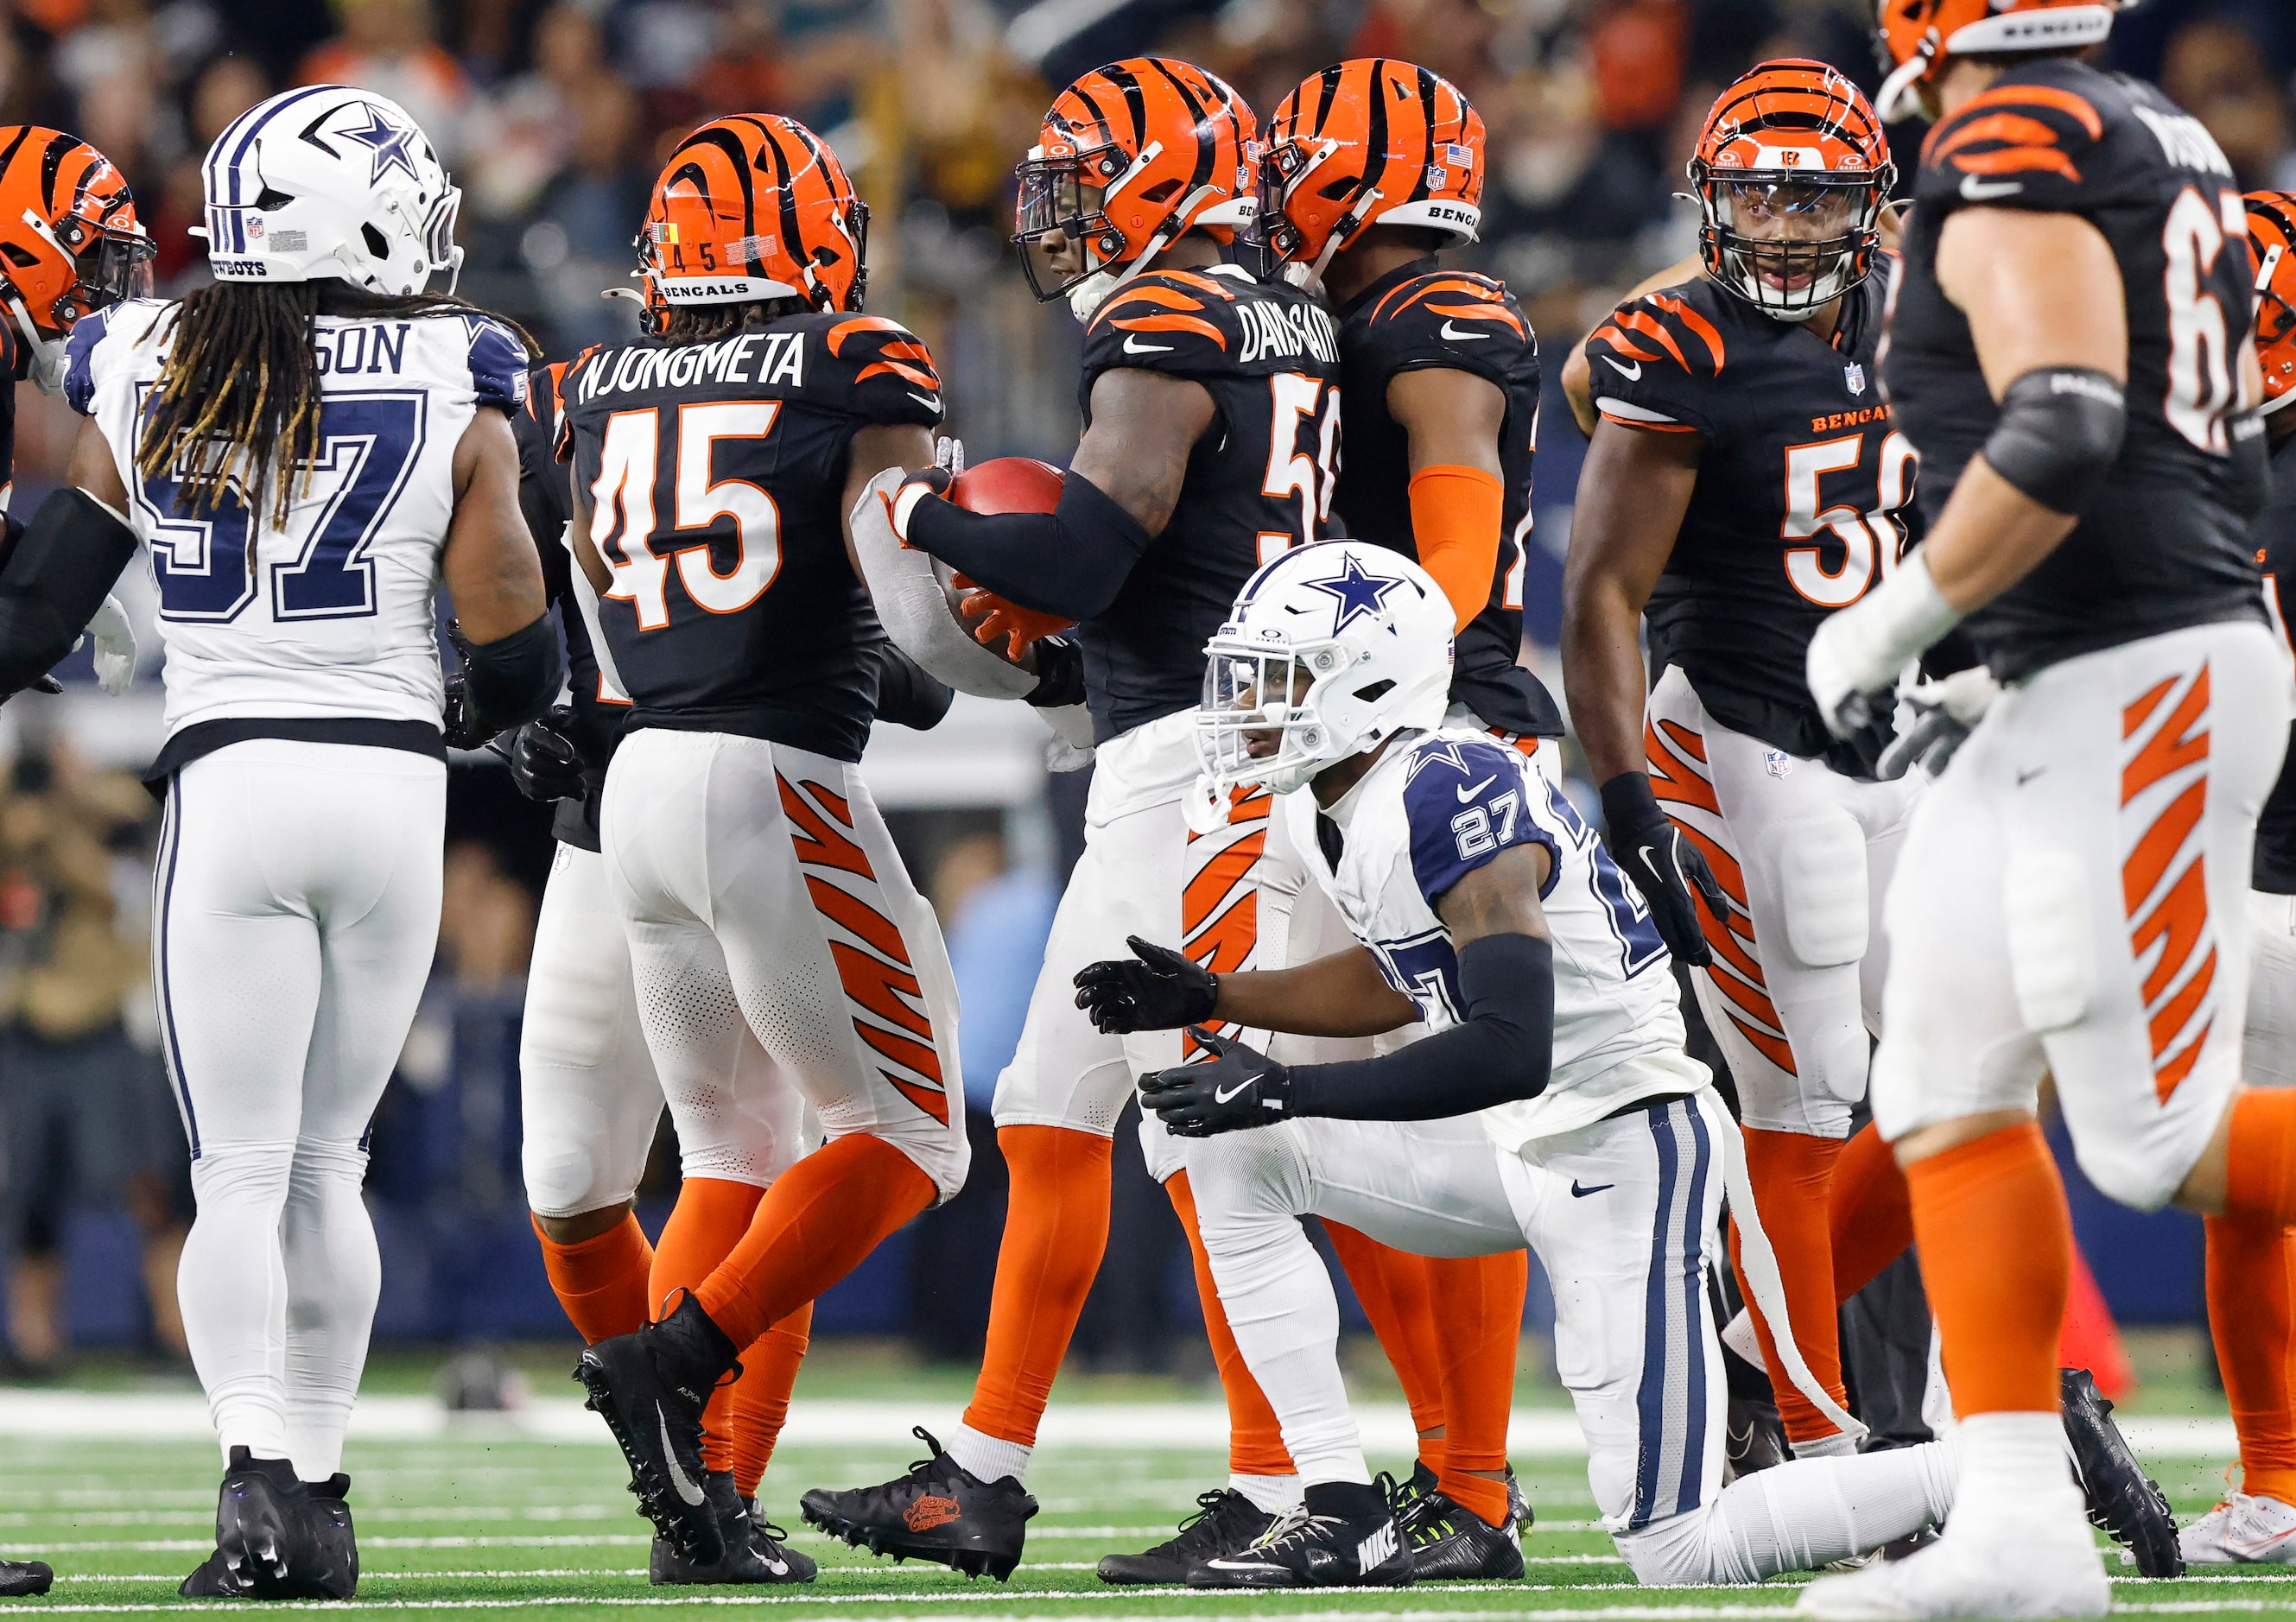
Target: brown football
{"type": "Point", "coordinates": [1008, 483]}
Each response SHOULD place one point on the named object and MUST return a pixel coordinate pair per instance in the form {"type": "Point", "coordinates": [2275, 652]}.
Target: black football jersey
{"type": "Point", "coordinates": [12, 367]}
{"type": "Point", "coordinates": [1417, 317]}
{"type": "Point", "coordinates": [717, 474]}
{"type": "Point", "coordinates": [1257, 481]}
{"type": "Point", "coordinates": [1803, 494]}
{"type": "Point", "coordinates": [2276, 551]}
{"type": "Point", "coordinates": [2161, 545]}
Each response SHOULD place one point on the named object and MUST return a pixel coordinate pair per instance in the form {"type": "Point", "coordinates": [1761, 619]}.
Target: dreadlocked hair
{"type": "Point", "coordinates": [709, 323]}
{"type": "Point", "coordinates": [239, 395]}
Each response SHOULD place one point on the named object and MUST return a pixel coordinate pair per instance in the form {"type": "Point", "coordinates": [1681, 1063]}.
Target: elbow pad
{"type": "Point", "coordinates": [907, 695]}
{"type": "Point", "coordinates": [1071, 561]}
{"type": "Point", "coordinates": [2059, 434]}
{"type": "Point", "coordinates": [56, 577]}
{"type": "Point", "coordinates": [512, 681]}
{"type": "Point", "coordinates": [2248, 478]}
{"type": "Point", "coordinates": [1509, 979]}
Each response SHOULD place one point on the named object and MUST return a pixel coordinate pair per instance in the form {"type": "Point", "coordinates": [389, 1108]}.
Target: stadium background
{"type": "Point", "coordinates": [552, 118]}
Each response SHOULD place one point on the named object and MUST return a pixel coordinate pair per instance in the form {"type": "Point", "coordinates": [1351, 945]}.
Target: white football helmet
{"type": "Point", "coordinates": [329, 182]}
{"type": "Point", "coordinates": [1330, 651]}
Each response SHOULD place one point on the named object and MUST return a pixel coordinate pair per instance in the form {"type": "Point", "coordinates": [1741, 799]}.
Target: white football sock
{"type": "Point", "coordinates": [2016, 1473]}
{"type": "Point", "coordinates": [987, 1457]}
{"type": "Point", "coordinates": [334, 1274]}
{"type": "Point", "coordinates": [231, 1282]}
{"type": "Point", "coordinates": [1270, 1494]}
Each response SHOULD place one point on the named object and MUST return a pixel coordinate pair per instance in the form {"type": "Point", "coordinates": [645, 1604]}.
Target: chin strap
{"type": "Point", "coordinates": [1896, 100]}
{"type": "Point", "coordinates": [46, 367]}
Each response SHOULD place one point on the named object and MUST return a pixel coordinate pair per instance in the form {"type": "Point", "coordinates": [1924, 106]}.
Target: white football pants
{"type": "Point", "coordinates": [1621, 1214]}
{"type": "Point", "coordinates": [295, 911]}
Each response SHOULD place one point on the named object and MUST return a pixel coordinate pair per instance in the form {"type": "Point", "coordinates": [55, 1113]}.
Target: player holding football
{"type": "Point", "coordinates": [1368, 170]}
{"type": "Point", "coordinates": [70, 245]}
{"type": "Point", "coordinates": [307, 448]}
{"type": "Point", "coordinates": [784, 963]}
{"type": "Point", "coordinates": [2251, 1261]}
{"type": "Point", "coordinates": [2069, 352]}
{"type": "Point", "coordinates": [1744, 478]}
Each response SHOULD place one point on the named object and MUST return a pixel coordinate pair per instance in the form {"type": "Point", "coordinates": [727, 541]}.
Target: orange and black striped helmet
{"type": "Point", "coordinates": [1130, 156]}
{"type": "Point", "coordinates": [749, 207]}
{"type": "Point", "coordinates": [1367, 142]}
{"type": "Point", "coordinates": [69, 241]}
{"type": "Point", "coordinates": [1790, 173]}
{"type": "Point", "coordinates": [2272, 232]}
{"type": "Point", "coordinates": [1916, 37]}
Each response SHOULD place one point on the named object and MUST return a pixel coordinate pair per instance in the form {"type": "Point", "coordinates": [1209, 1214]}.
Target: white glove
{"type": "Point", "coordinates": [115, 648]}
{"type": "Point", "coordinates": [948, 454]}
{"type": "Point", "coordinates": [1934, 720]}
{"type": "Point", "coordinates": [1857, 653]}
{"type": "Point", "coordinates": [911, 591]}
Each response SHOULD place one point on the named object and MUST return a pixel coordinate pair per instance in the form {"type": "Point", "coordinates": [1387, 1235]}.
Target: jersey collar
{"type": "Point", "coordinates": [1388, 284]}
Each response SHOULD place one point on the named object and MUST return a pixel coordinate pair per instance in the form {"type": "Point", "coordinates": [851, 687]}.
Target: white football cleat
{"type": "Point", "coordinates": [2243, 1530]}
{"type": "Point", "coordinates": [1978, 1574]}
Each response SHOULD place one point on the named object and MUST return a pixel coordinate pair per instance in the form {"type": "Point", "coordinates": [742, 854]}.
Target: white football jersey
{"type": "Point", "coordinates": [1437, 807]}
{"type": "Point", "coordinates": [332, 615]}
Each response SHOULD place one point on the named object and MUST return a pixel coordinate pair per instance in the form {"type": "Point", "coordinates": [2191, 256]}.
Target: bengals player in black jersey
{"type": "Point", "coordinates": [2071, 351]}
{"type": "Point", "coordinates": [1367, 171]}
{"type": "Point", "coordinates": [2251, 1260]}
{"type": "Point", "coordinates": [782, 957]}
{"type": "Point", "coordinates": [1744, 478]}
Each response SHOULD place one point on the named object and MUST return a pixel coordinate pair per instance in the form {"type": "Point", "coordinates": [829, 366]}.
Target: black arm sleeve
{"type": "Point", "coordinates": [1071, 561]}
{"type": "Point", "coordinates": [905, 695]}
{"type": "Point", "coordinates": [55, 578]}
{"type": "Point", "coordinates": [1499, 1053]}
{"type": "Point", "coordinates": [513, 680]}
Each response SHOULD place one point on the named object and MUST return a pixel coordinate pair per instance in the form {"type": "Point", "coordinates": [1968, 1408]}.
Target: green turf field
{"type": "Point", "coordinates": [482, 1522]}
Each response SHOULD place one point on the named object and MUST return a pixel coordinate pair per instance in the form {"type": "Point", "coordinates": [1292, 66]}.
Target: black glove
{"type": "Point", "coordinates": [1060, 673]}
{"type": "Point", "coordinates": [464, 728]}
{"type": "Point", "coordinates": [1155, 989]}
{"type": "Point", "coordinates": [1662, 864]}
{"type": "Point", "coordinates": [1236, 1088]}
{"type": "Point", "coordinates": [543, 760]}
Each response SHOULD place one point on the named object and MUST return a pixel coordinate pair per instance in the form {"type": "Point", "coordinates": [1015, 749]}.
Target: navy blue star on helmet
{"type": "Point", "coordinates": [393, 144]}
{"type": "Point", "coordinates": [1361, 595]}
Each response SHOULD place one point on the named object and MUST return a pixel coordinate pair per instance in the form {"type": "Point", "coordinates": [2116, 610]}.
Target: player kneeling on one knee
{"type": "Point", "coordinates": [1549, 1104]}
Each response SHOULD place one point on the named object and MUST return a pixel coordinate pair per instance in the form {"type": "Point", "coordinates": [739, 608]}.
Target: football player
{"type": "Point", "coordinates": [1744, 477]}
{"type": "Point", "coordinates": [307, 448]}
{"type": "Point", "coordinates": [70, 245]}
{"type": "Point", "coordinates": [2251, 1262]}
{"type": "Point", "coordinates": [2069, 351]}
{"type": "Point", "coordinates": [1549, 1102]}
{"type": "Point", "coordinates": [785, 968]}
{"type": "Point", "coordinates": [1368, 170]}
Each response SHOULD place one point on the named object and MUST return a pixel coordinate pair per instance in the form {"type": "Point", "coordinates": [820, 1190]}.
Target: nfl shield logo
{"type": "Point", "coordinates": [1854, 375]}
{"type": "Point", "coordinates": [1777, 762]}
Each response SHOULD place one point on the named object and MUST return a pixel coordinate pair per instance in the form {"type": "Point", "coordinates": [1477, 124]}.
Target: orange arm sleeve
{"type": "Point", "coordinates": [1454, 518]}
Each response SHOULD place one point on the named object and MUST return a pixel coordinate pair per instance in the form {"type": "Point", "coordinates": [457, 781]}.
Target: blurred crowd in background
{"type": "Point", "coordinates": [553, 116]}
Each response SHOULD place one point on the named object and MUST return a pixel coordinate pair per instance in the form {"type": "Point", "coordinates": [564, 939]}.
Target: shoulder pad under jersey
{"type": "Point", "coordinates": [1657, 362]}
{"type": "Point", "coordinates": [1451, 319]}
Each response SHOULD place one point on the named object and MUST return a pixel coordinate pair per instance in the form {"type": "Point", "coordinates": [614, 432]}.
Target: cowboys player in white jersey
{"type": "Point", "coordinates": [1550, 1105]}
{"type": "Point", "coordinates": [306, 450]}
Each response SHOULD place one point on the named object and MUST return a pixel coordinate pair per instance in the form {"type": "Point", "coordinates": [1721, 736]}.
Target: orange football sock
{"type": "Point", "coordinates": [2261, 1174]}
{"type": "Point", "coordinates": [1792, 1177]}
{"type": "Point", "coordinates": [1255, 1440]}
{"type": "Point", "coordinates": [2251, 1272]}
{"type": "Point", "coordinates": [1476, 1306]}
{"type": "Point", "coordinates": [1871, 1212]}
{"type": "Point", "coordinates": [601, 1282]}
{"type": "Point", "coordinates": [1055, 1231]}
{"type": "Point", "coordinates": [1997, 1258]}
{"type": "Point", "coordinates": [709, 1220]}
{"type": "Point", "coordinates": [816, 1224]}
{"type": "Point", "coordinates": [1395, 1291]}
{"type": "Point", "coordinates": [761, 1397]}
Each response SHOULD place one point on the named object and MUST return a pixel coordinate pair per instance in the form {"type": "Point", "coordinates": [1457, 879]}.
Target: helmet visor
{"type": "Point", "coordinates": [1790, 246]}
{"type": "Point", "coordinates": [1270, 230]}
{"type": "Point", "coordinates": [116, 265]}
{"type": "Point", "coordinates": [1059, 214]}
{"type": "Point", "coordinates": [1256, 723]}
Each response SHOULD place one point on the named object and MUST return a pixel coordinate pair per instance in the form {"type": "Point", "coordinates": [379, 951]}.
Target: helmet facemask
{"type": "Point", "coordinates": [1068, 197]}
{"type": "Point", "coordinates": [2276, 326]}
{"type": "Point", "coordinates": [1791, 241]}
{"type": "Point", "coordinates": [1256, 695]}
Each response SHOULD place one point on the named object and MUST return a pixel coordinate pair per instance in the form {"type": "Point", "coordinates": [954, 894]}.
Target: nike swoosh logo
{"type": "Point", "coordinates": [1577, 1193]}
{"type": "Point", "coordinates": [1629, 372]}
{"type": "Point", "coordinates": [2025, 777]}
{"type": "Point", "coordinates": [1452, 334]}
{"type": "Point", "coordinates": [925, 400]}
{"type": "Point", "coordinates": [1973, 190]}
{"type": "Point", "coordinates": [1649, 853]}
{"type": "Point", "coordinates": [779, 1567]}
{"type": "Point", "coordinates": [1467, 794]}
{"type": "Point", "coordinates": [1133, 346]}
{"type": "Point", "coordinates": [678, 1478]}
{"type": "Point", "coordinates": [1220, 1095]}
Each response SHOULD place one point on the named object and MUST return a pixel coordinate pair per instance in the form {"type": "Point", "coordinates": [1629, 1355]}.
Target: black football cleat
{"type": "Point", "coordinates": [1345, 1535]}
{"type": "Point", "coordinates": [324, 1564]}
{"type": "Point", "coordinates": [22, 1577]}
{"type": "Point", "coordinates": [938, 1512]}
{"type": "Point", "coordinates": [259, 1510]}
{"type": "Point", "coordinates": [772, 1544]}
{"type": "Point", "coordinates": [752, 1555]}
{"type": "Point", "coordinates": [2122, 1503]}
{"type": "Point", "coordinates": [1753, 1437]}
{"type": "Point", "coordinates": [1451, 1543]}
{"type": "Point", "coordinates": [650, 1389]}
{"type": "Point", "coordinates": [1225, 1521]}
